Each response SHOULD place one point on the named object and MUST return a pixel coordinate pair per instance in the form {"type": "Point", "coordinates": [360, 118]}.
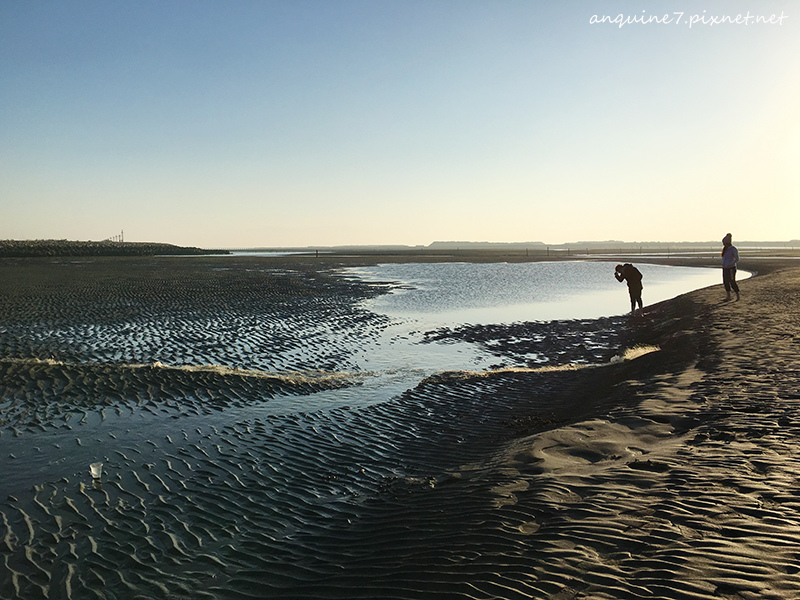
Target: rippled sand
{"type": "Point", "coordinates": [672, 474]}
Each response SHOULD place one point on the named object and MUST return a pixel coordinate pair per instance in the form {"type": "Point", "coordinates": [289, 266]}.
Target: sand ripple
{"type": "Point", "coordinates": [185, 312]}
{"type": "Point", "coordinates": [672, 475]}
{"type": "Point", "coordinates": [350, 501]}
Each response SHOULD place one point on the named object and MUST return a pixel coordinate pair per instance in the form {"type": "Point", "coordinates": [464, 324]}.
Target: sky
{"type": "Point", "coordinates": [256, 123]}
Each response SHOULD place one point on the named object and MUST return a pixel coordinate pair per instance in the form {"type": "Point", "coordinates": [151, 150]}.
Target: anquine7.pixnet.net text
{"type": "Point", "coordinates": [688, 19]}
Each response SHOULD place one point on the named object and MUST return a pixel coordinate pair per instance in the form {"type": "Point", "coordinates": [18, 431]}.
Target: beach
{"type": "Point", "coordinates": [663, 465]}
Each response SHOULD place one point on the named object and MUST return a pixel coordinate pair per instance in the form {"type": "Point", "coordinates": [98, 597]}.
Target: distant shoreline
{"type": "Point", "coordinates": [757, 261]}
{"type": "Point", "coordinates": [753, 258]}
{"type": "Point", "coordinates": [59, 248]}
{"type": "Point", "coordinates": [535, 247]}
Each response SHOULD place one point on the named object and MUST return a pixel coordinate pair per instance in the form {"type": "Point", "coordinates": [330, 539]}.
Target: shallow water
{"type": "Point", "coordinates": [447, 293]}
{"type": "Point", "coordinates": [431, 296]}
{"type": "Point", "coordinates": [259, 483]}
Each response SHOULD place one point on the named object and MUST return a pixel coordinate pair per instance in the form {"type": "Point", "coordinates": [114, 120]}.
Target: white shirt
{"type": "Point", "coordinates": [730, 257]}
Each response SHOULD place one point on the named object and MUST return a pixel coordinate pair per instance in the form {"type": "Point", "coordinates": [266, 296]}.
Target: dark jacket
{"type": "Point", "coordinates": [630, 274]}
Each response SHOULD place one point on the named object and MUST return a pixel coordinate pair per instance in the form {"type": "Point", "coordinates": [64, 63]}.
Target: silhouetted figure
{"type": "Point", "coordinates": [631, 274]}
{"type": "Point", "coordinates": [730, 256]}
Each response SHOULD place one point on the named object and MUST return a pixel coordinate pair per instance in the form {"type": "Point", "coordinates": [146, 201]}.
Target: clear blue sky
{"type": "Point", "coordinates": [254, 123]}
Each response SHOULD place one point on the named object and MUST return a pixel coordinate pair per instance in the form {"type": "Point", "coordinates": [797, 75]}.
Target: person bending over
{"type": "Point", "coordinates": [631, 274]}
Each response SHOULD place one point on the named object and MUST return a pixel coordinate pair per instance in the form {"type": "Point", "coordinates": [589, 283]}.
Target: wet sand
{"type": "Point", "coordinates": [672, 474]}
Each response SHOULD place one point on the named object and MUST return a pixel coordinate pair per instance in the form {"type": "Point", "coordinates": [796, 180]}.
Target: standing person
{"type": "Point", "coordinates": [730, 256]}
{"type": "Point", "coordinates": [631, 274]}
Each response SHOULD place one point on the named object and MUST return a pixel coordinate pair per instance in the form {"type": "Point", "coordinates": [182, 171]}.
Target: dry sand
{"type": "Point", "coordinates": [675, 474]}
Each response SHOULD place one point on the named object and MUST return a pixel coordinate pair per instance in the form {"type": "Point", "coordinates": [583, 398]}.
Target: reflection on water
{"type": "Point", "coordinates": [450, 293]}
{"type": "Point", "coordinates": [424, 297]}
